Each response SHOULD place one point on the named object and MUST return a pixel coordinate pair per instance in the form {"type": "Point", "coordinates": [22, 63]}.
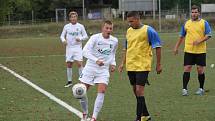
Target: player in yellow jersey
{"type": "Point", "coordinates": [141, 39]}
{"type": "Point", "coordinates": [195, 32]}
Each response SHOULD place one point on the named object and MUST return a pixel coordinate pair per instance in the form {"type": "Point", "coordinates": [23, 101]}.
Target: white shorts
{"type": "Point", "coordinates": [73, 54]}
{"type": "Point", "coordinates": [94, 75]}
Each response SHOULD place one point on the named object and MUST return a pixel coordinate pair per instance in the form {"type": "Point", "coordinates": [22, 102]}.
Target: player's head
{"type": "Point", "coordinates": [73, 17]}
{"type": "Point", "coordinates": [133, 19]}
{"type": "Point", "coordinates": [195, 12]}
{"type": "Point", "coordinates": [107, 28]}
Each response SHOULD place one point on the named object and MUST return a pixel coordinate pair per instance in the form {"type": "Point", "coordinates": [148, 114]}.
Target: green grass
{"type": "Point", "coordinates": [20, 102]}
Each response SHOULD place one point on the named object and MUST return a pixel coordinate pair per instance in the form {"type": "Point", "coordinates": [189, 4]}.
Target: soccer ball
{"type": "Point", "coordinates": [79, 90]}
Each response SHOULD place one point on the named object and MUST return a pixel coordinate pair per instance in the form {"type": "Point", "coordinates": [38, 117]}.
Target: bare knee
{"type": "Point", "coordinates": [187, 68]}
{"type": "Point", "coordinates": [139, 90]}
{"type": "Point", "coordinates": [79, 64]}
{"type": "Point", "coordinates": [200, 69]}
{"type": "Point", "coordinates": [69, 64]}
{"type": "Point", "coordinates": [101, 88]}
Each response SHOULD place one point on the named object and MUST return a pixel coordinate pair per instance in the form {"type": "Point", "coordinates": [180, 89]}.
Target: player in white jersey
{"type": "Point", "coordinates": [100, 52]}
{"type": "Point", "coordinates": [72, 36]}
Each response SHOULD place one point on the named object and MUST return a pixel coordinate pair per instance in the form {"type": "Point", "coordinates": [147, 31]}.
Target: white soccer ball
{"type": "Point", "coordinates": [212, 65]}
{"type": "Point", "coordinates": [79, 90]}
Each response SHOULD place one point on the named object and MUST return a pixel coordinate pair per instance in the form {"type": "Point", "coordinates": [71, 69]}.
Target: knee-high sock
{"type": "Point", "coordinates": [186, 78]}
{"type": "Point", "coordinates": [69, 74]}
{"type": "Point", "coordinates": [84, 104]}
{"type": "Point", "coordinates": [144, 109]}
{"type": "Point", "coordinates": [80, 70]}
{"type": "Point", "coordinates": [141, 107]}
{"type": "Point", "coordinates": [98, 104]}
{"type": "Point", "coordinates": [201, 78]}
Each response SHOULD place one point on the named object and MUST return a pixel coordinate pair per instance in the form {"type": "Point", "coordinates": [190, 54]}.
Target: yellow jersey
{"type": "Point", "coordinates": [139, 48]}
{"type": "Point", "coordinates": [192, 31]}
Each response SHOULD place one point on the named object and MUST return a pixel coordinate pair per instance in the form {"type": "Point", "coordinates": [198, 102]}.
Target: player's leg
{"type": "Point", "coordinates": [132, 79]}
{"type": "Point", "coordinates": [188, 62]}
{"type": "Point", "coordinates": [201, 63]}
{"type": "Point", "coordinates": [87, 79]}
{"type": "Point", "coordinates": [80, 67]}
{"type": "Point", "coordinates": [102, 80]}
{"type": "Point", "coordinates": [69, 73]}
{"type": "Point", "coordinates": [78, 57]}
{"type": "Point", "coordinates": [69, 64]}
{"type": "Point", "coordinates": [101, 88]}
{"type": "Point", "coordinates": [186, 76]}
{"type": "Point", "coordinates": [84, 104]}
{"type": "Point", "coordinates": [141, 80]}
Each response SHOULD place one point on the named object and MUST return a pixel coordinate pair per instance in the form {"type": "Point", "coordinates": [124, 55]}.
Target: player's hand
{"type": "Point", "coordinates": [158, 68]}
{"type": "Point", "coordinates": [100, 62]}
{"type": "Point", "coordinates": [175, 51]}
{"type": "Point", "coordinates": [77, 39]}
{"type": "Point", "coordinates": [196, 42]}
{"type": "Point", "coordinates": [65, 43]}
{"type": "Point", "coordinates": [112, 68]}
{"type": "Point", "coordinates": [120, 68]}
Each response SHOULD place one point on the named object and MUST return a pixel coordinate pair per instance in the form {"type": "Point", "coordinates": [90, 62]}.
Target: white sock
{"type": "Point", "coordinates": [80, 71]}
{"type": "Point", "coordinates": [69, 74]}
{"type": "Point", "coordinates": [98, 104]}
{"type": "Point", "coordinates": [84, 104]}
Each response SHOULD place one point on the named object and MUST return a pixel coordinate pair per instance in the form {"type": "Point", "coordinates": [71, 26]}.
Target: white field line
{"type": "Point", "coordinates": [49, 95]}
{"type": "Point", "coordinates": [32, 56]}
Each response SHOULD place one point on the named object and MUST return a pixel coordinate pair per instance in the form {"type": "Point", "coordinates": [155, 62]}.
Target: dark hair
{"type": "Point", "coordinates": [134, 14]}
{"type": "Point", "coordinates": [195, 7]}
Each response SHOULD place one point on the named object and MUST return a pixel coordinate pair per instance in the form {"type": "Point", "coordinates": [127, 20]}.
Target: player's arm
{"type": "Point", "coordinates": [207, 33]}
{"type": "Point", "coordinates": [63, 36]}
{"type": "Point", "coordinates": [113, 62]}
{"type": "Point", "coordinates": [88, 52]}
{"type": "Point", "coordinates": [84, 35]}
{"type": "Point", "coordinates": [158, 64]}
{"type": "Point", "coordinates": [180, 40]}
{"type": "Point", "coordinates": [155, 42]}
{"type": "Point", "coordinates": [123, 60]}
{"type": "Point", "coordinates": [178, 43]}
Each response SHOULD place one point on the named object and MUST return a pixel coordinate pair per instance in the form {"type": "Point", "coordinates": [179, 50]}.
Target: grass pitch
{"type": "Point", "coordinates": [41, 60]}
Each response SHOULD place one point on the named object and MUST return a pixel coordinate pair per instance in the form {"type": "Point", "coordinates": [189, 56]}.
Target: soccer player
{"type": "Point", "coordinates": [100, 53]}
{"type": "Point", "coordinates": [141, 39]}
{"type": "Point", "coordinates": [195, 32]}
{"type": "Point", "coordinates": [72, 36]}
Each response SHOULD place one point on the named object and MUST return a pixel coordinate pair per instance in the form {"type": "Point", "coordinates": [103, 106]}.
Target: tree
{"type": "Point", "coordinates": [168, 4]}
{"type": "Point", "coordinates": [4, 10]}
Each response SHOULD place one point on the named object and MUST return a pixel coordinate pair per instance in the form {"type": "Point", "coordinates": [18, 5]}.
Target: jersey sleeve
{"type": "Point", "coordinates": [84, 34]}
{"type": "Point", "coordinates": [153, 38]}
{"type": "Point", "coordinates": [88, 49]}
{"type": "Point", "coordinates": [183, 32]}
{"type": "Point", "coordinates": [113, 62]}
{"type": "Point", "coordinates": [63, 34]}
{"type": "Point", "coordinates": [207, 29]}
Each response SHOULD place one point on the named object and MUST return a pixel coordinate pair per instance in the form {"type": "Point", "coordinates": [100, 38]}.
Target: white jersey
{"type": "Point", "coordinates": [98, 47]}
{"type": "Point", "coordinates": [71, 32]}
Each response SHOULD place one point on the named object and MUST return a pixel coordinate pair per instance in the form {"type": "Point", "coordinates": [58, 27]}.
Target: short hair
{"type": "Point", "coordinates": [73, 13]}
{"type": "Point", "coordinates": [134, 14]}
{"type": "Point", "coordinates": [195, 7]}
{"type": "Point", "coordinates": [107, 22]}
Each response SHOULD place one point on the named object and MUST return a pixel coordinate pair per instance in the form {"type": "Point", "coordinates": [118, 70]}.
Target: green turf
{"type": "Point", "coordinates": [30, 57]}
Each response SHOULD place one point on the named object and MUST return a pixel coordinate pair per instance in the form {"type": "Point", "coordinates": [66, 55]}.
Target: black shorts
{"type": "Point", "coordinates": [138, 77]}
{"type": "Point", "coordinates": [192, 59]}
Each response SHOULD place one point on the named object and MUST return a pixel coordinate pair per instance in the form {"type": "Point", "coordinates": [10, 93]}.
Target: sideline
{"type": "Point", "coordinates": [49, 95]}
